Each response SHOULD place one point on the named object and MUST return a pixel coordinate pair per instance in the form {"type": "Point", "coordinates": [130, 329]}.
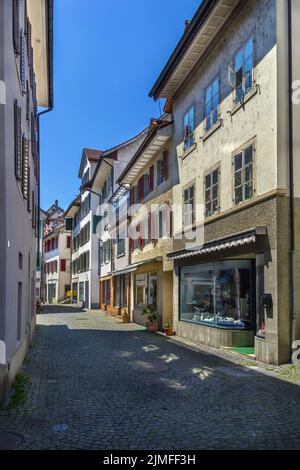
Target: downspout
{"type": "Point", "coordinates": [291, 179]}
{"type": "Point", "coordinates": [50, 108]}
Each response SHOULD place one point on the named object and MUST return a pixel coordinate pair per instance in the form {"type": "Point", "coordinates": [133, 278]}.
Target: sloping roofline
{"type": "Point", "coordinates": [190, 32]}
{"type": "Point", "coordinates": [155, 125]}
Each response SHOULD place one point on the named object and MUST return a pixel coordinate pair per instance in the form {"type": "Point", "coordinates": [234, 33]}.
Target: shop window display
{"type": "Point", "coordinates": [146, 290]}
{"type": "Point", "coordinates": [217, 294]}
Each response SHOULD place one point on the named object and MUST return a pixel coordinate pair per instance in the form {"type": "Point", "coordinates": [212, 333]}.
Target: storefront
{"type": "Point", "coordinates": [217, 291]}
{"type": "Point", "coordinates": [152, 287]}
{"type": "Point", "coordinates": [106, 294]}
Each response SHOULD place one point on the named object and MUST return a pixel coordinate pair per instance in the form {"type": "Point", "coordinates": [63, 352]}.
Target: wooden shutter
{"type": "Point", "coordinates": [25, 166]}
{"type": "Point", "coordinates": [166, 164]}
{"type": "Point", "coordinates": [22, 62]}
{"type": "Point", "coordinates": [68, 242]}
{"type": "Point", "coordinates": [18, 140]}
{"type": "Point", "coordinates": [28, 37]}
{"type": "Point", "coordinates": [141, 240]}
{"type": "Point", "coordinates": [149, 226]}
{"type": "Point", "coordinates": [16, 26]}
{"type": "Point", "coordinates": [141, 189]}
{"type": "Point", "coordinates": [151, 184]}
{"type": "Point", "coordinates": [62, 264]}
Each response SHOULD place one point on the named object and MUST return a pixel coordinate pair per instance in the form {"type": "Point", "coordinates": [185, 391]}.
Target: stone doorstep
{"type": "Point", "coordinates": [232, 356]}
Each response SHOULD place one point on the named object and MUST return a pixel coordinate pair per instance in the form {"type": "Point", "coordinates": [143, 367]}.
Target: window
{"type": "Point", "coordinates": [217, 294]}
{"type": "Point", "coordinates": [189, 126]}
{"type": "Point", "coordinates": [243, 175]}
{"type": "Point", "coordinates": [121, 244]}
{"type": "Point", "coordinates": [86, 177]}
{"type": "Point", "coordinates": [163, 168]}
{"type": "Point", "coordinates": [146, 290]}
{"type": "Point", "coordinates": [212, 104]}
{"type": "Point", "coordinates": [188, 206]}
{"type": "Point", "coordinates": [22, 62]}
{"type": "Point", "coordinates": [105, 252]}
{"type": "Point", "coordinates": [243, 71]}
{"type": "Point", "coordinates": [20, 260]}
{"type": "Point", "coordinates": [211, 189]}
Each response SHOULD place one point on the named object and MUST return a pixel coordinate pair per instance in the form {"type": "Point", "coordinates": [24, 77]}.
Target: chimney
{"type": "Point", "coordinates": [56, 203]}
{"type": "Point", "coordinates": [186, 24]}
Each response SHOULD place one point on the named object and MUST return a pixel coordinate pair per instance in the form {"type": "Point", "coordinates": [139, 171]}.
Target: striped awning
{"type": "Point", "coordinates": [234, 241]}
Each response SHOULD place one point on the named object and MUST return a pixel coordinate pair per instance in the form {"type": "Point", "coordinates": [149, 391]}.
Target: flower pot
{"type": "Point", "coordinates": [169, 331]}
{"type": "Point", "coordinates": [152, 326]}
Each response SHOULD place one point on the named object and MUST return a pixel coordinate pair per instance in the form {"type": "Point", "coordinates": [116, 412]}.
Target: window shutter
{"type": "Point", "coordinates": [28, 37]}
{"type": "Point", "coordinates": [62, 264]}
{"type": "Point", "coordinates": [154, 225]}
{"type": "Point", "coordinates": [16, 26]}
{"type": "Point", "coordinates": [87, 260]}
{"type": "Point", "coordinates": [141, 240]}
{"type": "Point", "coordinates": [149, 226]}
{"type": "Point", "coordinates": [25, 167]}
{"type": "Point", "coordinates": [132, 196]}
{"type": "Point", "coordinates": [68, 242]}
{"type": "Point", "coordinates": [28, 191]}
{"type": "Point", "coordinates": [141, 189]}
{"type": "Point", "coordinates": [166, 164]}
{"type": "Point", "coordinates": [22, 62]}
{"type": "Point", "coordinates": [151, 185]}
{"type": "Point", "coordinates": [18, 140]}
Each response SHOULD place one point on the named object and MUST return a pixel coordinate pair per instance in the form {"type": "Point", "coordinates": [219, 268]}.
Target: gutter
{"type": "Point", "coordinates": [291, 179]}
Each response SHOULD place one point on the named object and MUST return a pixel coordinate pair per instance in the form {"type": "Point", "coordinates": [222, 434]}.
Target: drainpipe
{"type": "Point", "coordinates": [291, 179]}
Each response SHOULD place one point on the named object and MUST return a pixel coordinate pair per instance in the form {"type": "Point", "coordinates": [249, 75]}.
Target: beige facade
{"type": "Point", "coordinates": [150, 178]}
{"type": "Point", "coordinates": [258, 121]}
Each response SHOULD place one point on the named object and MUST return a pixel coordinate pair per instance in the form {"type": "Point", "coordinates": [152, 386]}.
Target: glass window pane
{"type": "Point", "coordinates": [208, 181]}
{"type": "Point", "coordinates": [215, 116]}
{"type": "Point", "coordinates": [248, 173]}
{"type": "Point", "coordinates": [207, 195]}
{"type": "Point", "coordinates": [215, 205]}
{"type": "Point", "coordinates": [248, 154]}
{"type": "Point", "coordinates": [215, 101]}
{"type": "Point", "coordinates": [208, 95]}
{"type": "Point", "coordinates": [238, 195]}
{"type": "Point", "coordinates": [208, 209]}
{"type": "Point", "coordinates": [196, 294]}
{"type": "Point", "coordinates": [233, 294]}
{"type": "Point", "coordinates": [248, 190]}
{"type": "Point", "coordinates": [215, 192]}
{"type": "Point", "coordinates": [238, 60]}
{"type": "Point", "coordinates": [208, 122]}
{"type": "Point", "coordinates": [215, 176]}
{"type": "Point", "coordinates": [216, 87]}
{"type": "Point", "coordinates": [238, 178]}
{"type": "Point", "coordinates": [207, 109]}
{"type": "Point", "coordinates": [249, 49]}
{"type": "Point", "coordinates": [191, 119]}
{"type": "Point", "coordinates": [238, 161]}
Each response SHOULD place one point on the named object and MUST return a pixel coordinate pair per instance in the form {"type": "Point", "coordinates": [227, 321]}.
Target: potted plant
{"type": "Point", "coordinates": [124, 316]}
{"type": "Point", "coordinates": [169, 330]}
{"type": "Point", "coordinates": [152, 316]}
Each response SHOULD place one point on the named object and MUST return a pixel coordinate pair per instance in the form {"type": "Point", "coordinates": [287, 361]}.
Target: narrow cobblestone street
{"type": "Point", "coordinates": [98, 384]}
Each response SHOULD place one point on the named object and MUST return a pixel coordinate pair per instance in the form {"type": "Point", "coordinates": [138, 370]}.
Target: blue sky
{"type": "Point", "coordinates": [107, 56]}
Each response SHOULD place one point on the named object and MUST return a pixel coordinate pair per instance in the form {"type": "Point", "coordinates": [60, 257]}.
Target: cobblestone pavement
{"type": "Point", "coordinates": [98, 384]}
